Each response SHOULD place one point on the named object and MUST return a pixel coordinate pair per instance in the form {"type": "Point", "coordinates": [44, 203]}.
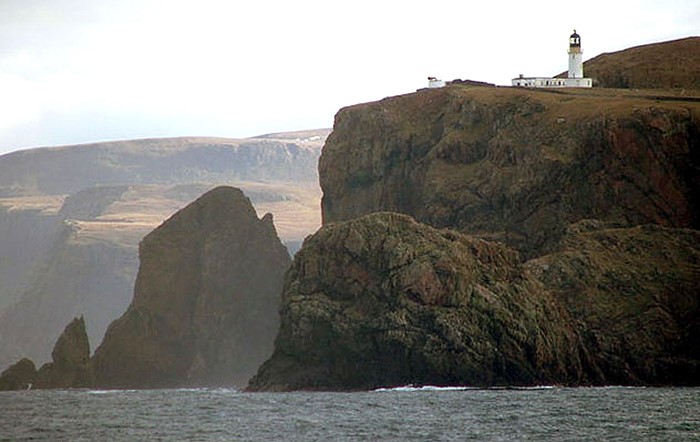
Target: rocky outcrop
{"type": "Point", "coordinates": [71, 356]}
{"type": "Point", "coordinates": [70, 367]}
{"type": "Point", "coordinates": [383, 301]}
{"type": "Point", "coordinates": [634, 294]}
{"type": "Point", "coordinates": [205, 307]}
{"type": "Point", "coordinates": [666, 65]}
{"type": "Point", "coordinates": [515, 165]}
{"type": "Point", "coordinates": [19, 376]}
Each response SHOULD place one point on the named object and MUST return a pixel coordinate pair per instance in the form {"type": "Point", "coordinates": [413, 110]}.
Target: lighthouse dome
{"type": "Point", "coordinates": [575, 39]}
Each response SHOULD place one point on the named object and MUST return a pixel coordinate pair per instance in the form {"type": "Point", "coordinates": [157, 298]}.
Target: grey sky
{"type": "Point", "coordinates": [76, 71]}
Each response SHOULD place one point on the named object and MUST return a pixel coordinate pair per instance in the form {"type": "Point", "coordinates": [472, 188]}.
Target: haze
{"type": "Point", "coordinates": [77, 71]}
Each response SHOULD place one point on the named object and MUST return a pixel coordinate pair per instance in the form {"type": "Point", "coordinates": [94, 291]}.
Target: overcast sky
{"type": "Point", "coordinates": [77, 71]}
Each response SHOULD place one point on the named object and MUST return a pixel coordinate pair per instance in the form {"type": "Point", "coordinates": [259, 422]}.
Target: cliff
{"type": "Point", "coordinates": [26, 235]}
{"type": "Point", "coordinates": [383, 301]}
{"type": "Point", "coordinates": [516, 165]}
{"type": "Point", "coordinates": [71, 356]}
{"type": "Point", "coordinates": [555, 241]}
{"type": "Point", "coordinates": [205, 306]}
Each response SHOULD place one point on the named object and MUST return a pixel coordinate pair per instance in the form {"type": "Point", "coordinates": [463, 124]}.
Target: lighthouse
{"type": "Point", "coordinates": [575, 56]}
{"type": "Point", "coordinates": [574, 78]}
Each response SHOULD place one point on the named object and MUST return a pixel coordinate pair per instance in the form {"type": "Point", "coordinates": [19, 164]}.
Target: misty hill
{"type": "Point", "coordinates": [67, 169]}
{"type": "Point", "coordinates": [71, 219]}
{"type": "Point", "coordinates": [665, 65]}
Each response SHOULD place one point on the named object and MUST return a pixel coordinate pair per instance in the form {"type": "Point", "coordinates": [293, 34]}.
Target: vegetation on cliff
{"type": "Point", "coordinates": [666, 65]}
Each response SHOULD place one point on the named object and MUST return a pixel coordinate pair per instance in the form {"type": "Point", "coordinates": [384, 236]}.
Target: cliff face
{"type": "Point", "coordinates": [597, 191]}
{"type": "Point", "coordinates": [635, 296]}
{"type": "Point", "coordinates": [26, 236]}
{"type": "Point", "coordinates": [515, 165]}
{"type": "Point", "coordinates": [383, 300]}
{"type": "Point", "coordinates": [80, 275]}
{"type": "Point", "coordinates": [205, 307]}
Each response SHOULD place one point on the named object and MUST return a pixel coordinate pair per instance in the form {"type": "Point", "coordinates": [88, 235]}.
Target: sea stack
{"type": "Point", "coordinates": [70, 367]}
{"type": "Point", "coordinates": [206, 299]}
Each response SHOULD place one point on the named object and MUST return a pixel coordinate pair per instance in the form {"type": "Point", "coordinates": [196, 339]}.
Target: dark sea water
{"type": "Point", "coordinates": [556, 414]}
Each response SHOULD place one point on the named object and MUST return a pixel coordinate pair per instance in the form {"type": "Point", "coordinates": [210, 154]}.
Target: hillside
{"type": "Point", "coordinates": [71, 219]}
{"type": "Point", "coordinates": [667, 65]}
{"type": "Point", "coordinates": [67, 169]}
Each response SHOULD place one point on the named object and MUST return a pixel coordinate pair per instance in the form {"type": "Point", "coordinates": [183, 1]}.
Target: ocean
{"type": "Point", "coordinates": [401, 414]}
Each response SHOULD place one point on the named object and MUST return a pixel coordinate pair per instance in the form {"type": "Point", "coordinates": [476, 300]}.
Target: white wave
{"type": "Point", "coordinates": [412, 388]}
{"type": "Point", "coordinates": [534, 387]}
{"type": "Point", "coordinates": [110, 391]}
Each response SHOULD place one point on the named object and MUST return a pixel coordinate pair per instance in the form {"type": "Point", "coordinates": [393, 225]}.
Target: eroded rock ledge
{"type": "Point", "coordinates": [383, 300]}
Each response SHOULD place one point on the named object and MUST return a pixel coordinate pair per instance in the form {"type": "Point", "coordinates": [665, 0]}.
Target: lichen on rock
{"type": "Point", "coordinates": [383, 300]}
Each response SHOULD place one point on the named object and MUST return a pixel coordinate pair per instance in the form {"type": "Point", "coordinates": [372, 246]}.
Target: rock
{"type": "Point", "coordinates": [70, 367]}
{"type": "Point", "coordinates": [635, 296]}
{"type": "Point", "coordinates": [383, 301]}
{"type": "Point", "coordinates": [495, 162]}
{"type": "Point", "coordinates": [71, 355]}
{"type": "Point", "coordinates": [19, 376]}
{"type": "Point", "coordinates": [205, 307]}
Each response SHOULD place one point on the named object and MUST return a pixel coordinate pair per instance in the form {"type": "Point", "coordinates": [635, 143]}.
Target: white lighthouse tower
{"type": "Point", "coordinates": [574, 78]}
{"type": "Point", "coordinates": [575, 56]}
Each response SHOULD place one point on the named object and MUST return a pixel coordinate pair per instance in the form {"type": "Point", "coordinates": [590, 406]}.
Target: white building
{"type": "Point", "coordinates": [575, 77]}
{"type": "Point", "coordinates": [435, 83]}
